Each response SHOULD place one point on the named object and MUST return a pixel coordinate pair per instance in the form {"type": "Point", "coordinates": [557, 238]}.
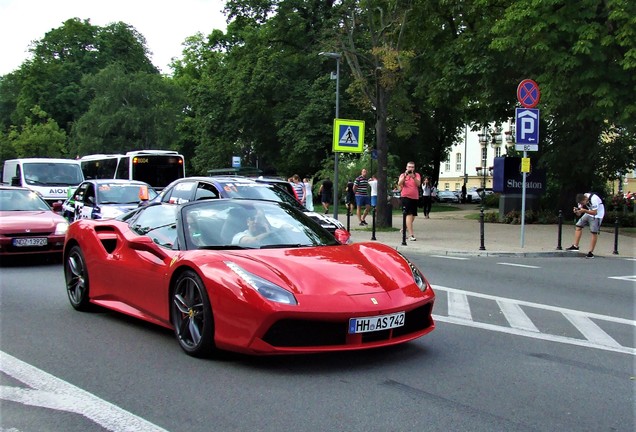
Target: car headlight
{"type": "Point", "coordinates": [418, 277]}
{"type": "Point", "coordinates": [60, 228]}
{"type": "Point", "coordinates": [267, 289]}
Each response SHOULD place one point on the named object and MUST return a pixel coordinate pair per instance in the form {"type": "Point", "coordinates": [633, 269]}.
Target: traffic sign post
{"type": "Point", "coordinates": [527, 129]}
{"type": "Point", "coordinates": [348, 136]}
{"type": "Point", "coordinates": [527, 133]}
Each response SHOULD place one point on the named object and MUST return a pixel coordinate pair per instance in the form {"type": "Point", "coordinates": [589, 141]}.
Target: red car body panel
{"type": "Point", "coordinates": [331, 284]}
{"type": "Point", "coordinates": [23, 224]}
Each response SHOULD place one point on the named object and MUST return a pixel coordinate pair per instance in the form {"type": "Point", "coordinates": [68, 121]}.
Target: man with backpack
{"type": "Point", "coordinates": [590, 211]}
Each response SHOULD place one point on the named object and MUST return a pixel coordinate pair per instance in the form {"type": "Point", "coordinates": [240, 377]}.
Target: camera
{"type": "Point", "coordinates": [409, 171]}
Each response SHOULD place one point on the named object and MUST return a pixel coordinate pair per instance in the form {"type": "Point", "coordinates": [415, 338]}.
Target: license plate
{"type": "Point", "coordinates": [376, 323]}
{"type": "Point", "coordinates": [37, 241]}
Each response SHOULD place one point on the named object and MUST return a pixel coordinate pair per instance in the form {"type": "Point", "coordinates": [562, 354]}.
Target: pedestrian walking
{"type": "Point", "coordinates": [409, 184]}
{"type": "Point", "coordinates": [299, 188]}
{"type": "Point", "coordinates": [350, 197]}
{"type": "Point", "coordinates": [373, 187]}
{"type": "Point", "coordinates": [309, 195]}
{"type": "Point", "coordinates": [326, 194]}
{"type": "Point", "coordinates": [361, 189]}
{"type": "Point", "coordinates": [590, 210]}
{"type": "Point", "coordinates": [427, 196]}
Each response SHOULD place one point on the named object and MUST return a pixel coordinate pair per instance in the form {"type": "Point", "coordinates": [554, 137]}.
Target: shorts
{"type": "Point", "coordinates": [374, 200]}
{"type": "Point", "coordinates": [593, 222]}
{"type": "Point", "coordinates": [363, 200]}
{"type": "Point", "coordinates": [409, 206]}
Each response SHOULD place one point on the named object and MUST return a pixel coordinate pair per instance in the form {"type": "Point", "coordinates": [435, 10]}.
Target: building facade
{"type": "Point", "coordinates": [472, 159]}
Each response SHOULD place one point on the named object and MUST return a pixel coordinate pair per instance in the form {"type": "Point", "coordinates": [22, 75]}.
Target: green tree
{"type": "Point", "coordinates": [129, 111]}
{"type": "Point", "coordinates": [583, 56]}
{"type": "Point", "coordinates": [52, 78]}
{"type": "Point", "coordinates": [36, 138]}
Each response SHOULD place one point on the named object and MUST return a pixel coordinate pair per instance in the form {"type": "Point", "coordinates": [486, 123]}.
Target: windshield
{"type": "Point", "coordinates": [21, 200]}
{"type": "Point", "coordinates": [118, 193]}
{"type": "Point", "coordinates": [260, 191]}
{"type": "Point", "coordinates": [237, 224]}
{"type": "Point", "coordinates": [52, 174]}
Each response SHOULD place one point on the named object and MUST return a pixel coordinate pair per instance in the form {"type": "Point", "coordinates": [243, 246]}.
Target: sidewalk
{"type": "Point", "coordinates": [450, 233]}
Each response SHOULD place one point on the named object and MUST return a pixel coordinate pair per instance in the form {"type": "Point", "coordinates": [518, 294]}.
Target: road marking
{"type": "Point", "coordinates": [450, 257]}
{"type": "Point", "coordinates": [458, 306]}
{"type": "Point", "coordinates": [518, 265]}
{"type": "Point", "coordinates": [533, 335]}
{"type": "Point", "coordinates": [48, 391]}
{"type": "Point", "coordinates": [521, 325]}
{"type": "Point", "coordinates": [591, 331]}
{"type": "Point", "coordinates": [625, 278]}
{"type": "Point", "coordinates": [516, 316]}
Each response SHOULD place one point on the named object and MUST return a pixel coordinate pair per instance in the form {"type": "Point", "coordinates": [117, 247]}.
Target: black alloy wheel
{"type": "Point", "coordinates": [192, 315]}
{"type": "Point", "coordinates": [76, 276]}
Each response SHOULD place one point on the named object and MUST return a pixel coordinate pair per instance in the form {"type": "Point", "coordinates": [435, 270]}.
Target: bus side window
{"type": "Point", "coordinates": [123, 172]}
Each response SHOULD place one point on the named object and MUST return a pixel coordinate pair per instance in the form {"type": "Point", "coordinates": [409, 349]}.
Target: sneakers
{"type": "Point", "coordinates": [572, 248]}
{"type": "Point", "coordinates": [412, 238]}
{"type": "Point", "coordinates": [589, 255]}
{"type": "Point", "coordinates": [363, 223]}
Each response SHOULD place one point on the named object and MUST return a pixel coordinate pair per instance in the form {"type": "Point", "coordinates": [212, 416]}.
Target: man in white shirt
{"type": "Point", "coordinates": [373, 185]}
{"type": "Point", "coordinates": [590, 210]}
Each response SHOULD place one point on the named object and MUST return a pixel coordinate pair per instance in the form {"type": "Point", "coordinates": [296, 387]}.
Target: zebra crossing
{"type": "Point", "coordinates": [534, 320]}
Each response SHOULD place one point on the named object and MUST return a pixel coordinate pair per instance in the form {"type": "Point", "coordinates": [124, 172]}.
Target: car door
{"type": "Point", "coordinates": [73, 208]}
{"type": "Point", "coordinates": [180, 193]}
{"type": "Point", "coordinates": [206, 190]}
{"type": "Point", "coordinates": [88, 203]}
{"type": "Point", "coordinates": [142, 278]}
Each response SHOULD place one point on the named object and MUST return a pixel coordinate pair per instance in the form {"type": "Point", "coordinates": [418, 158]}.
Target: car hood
{"type": "Point", "coordinates": [360, 268]}
{"type": "Point", "coordinates": [36, 221]}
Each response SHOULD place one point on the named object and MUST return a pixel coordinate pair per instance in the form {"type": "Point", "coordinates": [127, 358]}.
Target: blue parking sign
{"type": "Point", "coordinates": [527, 129]}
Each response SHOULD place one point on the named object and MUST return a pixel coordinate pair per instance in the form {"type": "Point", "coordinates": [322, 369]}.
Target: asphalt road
{"type": "Point", "coordinates": [565, 362]}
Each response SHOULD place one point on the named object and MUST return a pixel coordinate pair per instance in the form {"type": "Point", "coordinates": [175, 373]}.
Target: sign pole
{"type": "Point", "coordinates": [523, 204]}
{"type": "Point", "coordinates": [527, 120]}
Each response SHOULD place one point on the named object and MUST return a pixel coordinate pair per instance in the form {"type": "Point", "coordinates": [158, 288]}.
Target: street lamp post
{"type": "Point", "coordinates": [336, 56]}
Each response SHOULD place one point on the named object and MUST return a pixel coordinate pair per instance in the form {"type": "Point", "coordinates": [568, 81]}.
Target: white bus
{"type": "Point", "coordinates": [158, 168]}
{"type": "Point", "coordinates": [51, 178]}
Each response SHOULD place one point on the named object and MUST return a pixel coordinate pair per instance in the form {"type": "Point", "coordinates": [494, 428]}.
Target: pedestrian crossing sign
{"type": "Point", "coordinates": [348, 136]}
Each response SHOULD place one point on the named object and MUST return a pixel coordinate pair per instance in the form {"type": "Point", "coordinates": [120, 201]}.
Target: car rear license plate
{"type": "Point", "coordinates": [36, 241]}
{"type": "Point", "coordinates": [376, 323]}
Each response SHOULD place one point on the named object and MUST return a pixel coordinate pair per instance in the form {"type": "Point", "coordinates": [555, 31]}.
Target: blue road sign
{"type": "Point", "coordinates": [527, 129]}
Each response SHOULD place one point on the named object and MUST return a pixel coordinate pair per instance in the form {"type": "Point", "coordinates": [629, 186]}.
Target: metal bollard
{"type": "Point", "coordinates": [560, 231]}
{"type": "Point", "coordinates": [373, 224]}
{"type": "Point", "coordinates": [403, 226]}
{"type": "Point", "coordinates": [481, 229]}
{"type": "Point", "coordinates": [615, 236]}
{"type": "Point", "coordinates": [348, 220]}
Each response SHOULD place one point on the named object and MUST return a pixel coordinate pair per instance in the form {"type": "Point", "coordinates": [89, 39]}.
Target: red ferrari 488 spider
{"type": "Point", "coordinates": [256, 277]}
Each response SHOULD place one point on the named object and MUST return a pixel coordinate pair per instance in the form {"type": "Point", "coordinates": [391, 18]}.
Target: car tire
{"type": "Point", "coordinates": [77, 282]}
{"type": "Point", "coordinates": [192, 315]}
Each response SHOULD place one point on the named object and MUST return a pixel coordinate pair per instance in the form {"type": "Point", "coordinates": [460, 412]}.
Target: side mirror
{"type": "Point", "coordinates": [145, 244]}
{"type": "Point", "coordinates": [57, 207]}
{"type": "Point", "coordinates": [343, 236]}
{"type": "Point", "coordinates": [15, 181]}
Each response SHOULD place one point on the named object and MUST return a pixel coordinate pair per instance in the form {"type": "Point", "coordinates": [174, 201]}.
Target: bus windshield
{"type": "Point", "coordinates": [157, 170]}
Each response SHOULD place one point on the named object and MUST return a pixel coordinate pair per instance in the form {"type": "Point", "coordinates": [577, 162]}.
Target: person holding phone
{"type": "Point", "coordinates": [409, 184]}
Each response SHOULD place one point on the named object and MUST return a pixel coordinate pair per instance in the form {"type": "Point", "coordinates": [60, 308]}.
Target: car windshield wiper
{"type": "Point", "coordinates": [285, 246]}
{"type": "Point", "coordinates": [146, 230]}
{"type": "Point", "coordinates": [222, 247]}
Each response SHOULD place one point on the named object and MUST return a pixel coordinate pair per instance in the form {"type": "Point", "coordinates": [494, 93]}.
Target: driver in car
{"type": "Point", "coordinates": [258, 228]}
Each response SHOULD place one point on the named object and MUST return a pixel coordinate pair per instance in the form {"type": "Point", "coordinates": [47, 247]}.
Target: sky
{"type": "Point", "coordinates": [164, 23]}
